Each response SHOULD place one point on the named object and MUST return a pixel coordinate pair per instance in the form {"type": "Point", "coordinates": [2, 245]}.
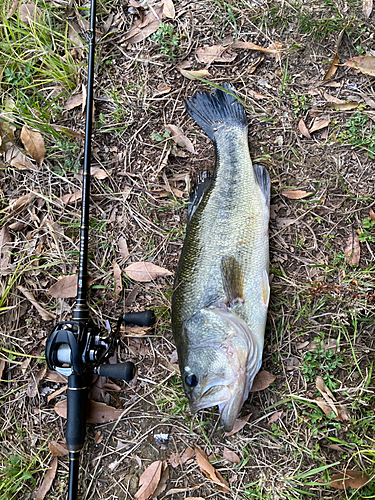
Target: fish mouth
{"type": "Point", "coordinates": [212, 396]}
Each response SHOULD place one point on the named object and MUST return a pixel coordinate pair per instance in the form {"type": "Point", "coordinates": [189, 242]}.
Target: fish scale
{"type": "Point", "coordinates": [230, 222]}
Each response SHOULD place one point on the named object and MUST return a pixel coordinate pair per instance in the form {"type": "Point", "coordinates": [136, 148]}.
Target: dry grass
{"type": "Point", "coordinates": [316, 295]}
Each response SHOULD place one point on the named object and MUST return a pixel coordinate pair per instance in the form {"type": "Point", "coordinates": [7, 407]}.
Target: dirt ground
{"type": "Point", "coordinates": [321, 319]}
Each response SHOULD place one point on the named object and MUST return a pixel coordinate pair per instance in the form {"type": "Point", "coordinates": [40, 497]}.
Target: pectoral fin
{"type": "Point", "coordinates": [265, 288]}
{"type": "Point", "coordinates": [233, 280]}
{"type": "Point", "coordinates": [199, 189]}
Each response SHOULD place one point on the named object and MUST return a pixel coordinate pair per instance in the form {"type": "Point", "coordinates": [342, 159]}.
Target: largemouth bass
{"type": "Point", "coordinates": [221, 288]}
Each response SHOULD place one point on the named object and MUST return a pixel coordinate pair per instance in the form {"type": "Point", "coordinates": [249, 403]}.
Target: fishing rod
{"type": "Point", "coordinates": [78, 348]}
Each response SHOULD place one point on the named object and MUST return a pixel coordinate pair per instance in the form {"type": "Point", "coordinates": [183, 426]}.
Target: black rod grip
{"type": "Point", "coordinates": [122, 371]}
{"type": "Point", "coordinates": [76, 412]}
{"type": "Point", "coordinates": [142, 318]}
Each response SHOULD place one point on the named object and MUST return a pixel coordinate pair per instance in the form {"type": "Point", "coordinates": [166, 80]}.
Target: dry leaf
{"type": "Point", "coordinates": [123, 248]}
{"type": "Point", "coordinates": [45, 315]}
{"type": "Point", "coordinates": [177, 459]}
{"type": "Point", "coordinates": [17, 159]}
{"type": "Point", "coordinates": [319, 123]}
{"type": "Point", "coordinates": [71, 197]}
{"type": "Point", "coordinates": [58, 449]}
{"type": "Point", "coordinates": [161, 89]}
{"type": "Point", "coordinates": [69, 131]}
{"type": "Point", "coordinates": [367, 8]}
{"type": "Point", "coordinates": [145, 271]}
{"type": "Point", "coordinates": [56, 393]}
{"type": "Point", "coordinates": [257, 96]}
{"type": "Point", "coordinates": [275, 417]}
{"type": "Point", "coordinates": [163, 480]}
{"type": "Point", "coordinates": [13, 9]}
{"type": "Point", "coordinates": [142, 29]}
{"type": "Point", "coordinates": [352, 249]}
{"type": "Point", "coordinates": [331, 98]}
{"type": "Point", "coordinates": [74, 101]}
{"type": "Point", "coordinates": [215, 53]}
{"type": "Point", "coordinates": [193, 75]}
{"type": "Point", "coordinates": [231, 456]}
{"type": "Point", "coordinates": [5, 241]}
{"type": "Point", "coordinates": [47, 481]}
{"type": "Point", "coordinates": [262, 380]}
{"type": "Point", "coordinates": [371, 214]}
{"type": "Point", "coordinates": [326, 408]}
{"type": "Point", "coordinates": [29, 13]}
{"type": "Point", "coordinates": [168, 9]}
{"type": "Point", "coordinates": [295, 194]}
{"type": "Point", "coordinates": [35, 380]}
{"type": "Point", "coordinates": [181, 139]}
{"type": "Point", "coordinates": [303, 129]}
{"type": "Point", "coordinates": [343, 106]}
{"type": "Point", "coordinates": [7, 128]}
{"type": "Point", "coordinates": [365, 64]}
{"type": "Point", "coordinates": [65, 287]}
{"type": "Point", "coordinates": [207, 469]}
{"type": "Point", "coordinates": [117, 280]}
{"type": "Point", "coordinates": [97, 413]}
{"type": "Point", "coordinates": [238, 425]}
{"type": "Point", "coordinates": [34, 143]}
{"type": "Point", "coordinates": [353, 478]}
{"type": "Point", "coordinates": [98, 173]}
{"type": "Point", "coordinates": [53, 376]}
{"type": "Point", "coordinates": [332, 69]}
{"type": "Point", "coordinates": [149, 480]}
{"type": "Point", "coordinates": [274, 48]}
{"type": "Point", "coordinates": [2, 366]}
{"type": "Point", "coordinates": [253, 66]}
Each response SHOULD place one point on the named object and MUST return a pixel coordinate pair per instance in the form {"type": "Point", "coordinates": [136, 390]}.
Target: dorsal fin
{"type": "Point", "coordinates": [199, 189]}
{"type": "Point", "coordinates": [264, 181]}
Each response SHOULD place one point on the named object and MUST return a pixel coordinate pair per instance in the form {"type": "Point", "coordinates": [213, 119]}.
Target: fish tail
{"type": "Point", "coordinates": [217, 110]}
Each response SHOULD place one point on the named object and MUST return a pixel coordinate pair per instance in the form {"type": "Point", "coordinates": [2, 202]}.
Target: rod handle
{"type": "Point", "coordinates": [76, 412]}
{"type": "Point", "coordinates": [122, 371]}
{"type": "Point", "coordinates": [142, 318]}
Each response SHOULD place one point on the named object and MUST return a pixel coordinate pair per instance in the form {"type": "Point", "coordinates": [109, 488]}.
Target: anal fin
{"type": "Point", "coordinates": [264, 181]}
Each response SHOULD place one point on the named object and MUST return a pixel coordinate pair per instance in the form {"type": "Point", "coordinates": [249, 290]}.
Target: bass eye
{"type": "Point", "coordinates": [191, 380]}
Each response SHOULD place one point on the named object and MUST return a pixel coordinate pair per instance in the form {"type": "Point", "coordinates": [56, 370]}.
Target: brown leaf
{"type": "Point", "coordinates": [332, 68]}
{"type": "Point", "coordinates": [353, 478]}
{"type": "Point", "coordinates": [58, 449]}
{"type": "Point", "coordinates": [262, 380]}
{"type": "Point", "coordinates": [215, 53]}
{"type": "Point", "coordinates": [181, 139]}
{"type": "Point", "coordinates": [117, 280]}
{"type": "Point", "coordinates": [365, 64]}
{"type": "Point", "coordinates": [168, 9]}
{"type": "Point", "coordinates": [344, 106]}
{"type": "Point", "coordinates": [142, 29]}
{"type": "Point", "coordinates": [97, 413]}
{"type": "Point", "coordinates": [29, 13]}
{"type": "Point", "coordinates": [177, 459]}
{"type": "Point", "coordinates": [149, 480]}
{"type": "Point", "coordinates": [257, 96]}
{"type": "Point", "coordinates": [231, 456]}
{"type": "Point", "coordinates": [319, 123]}
{"type": "Point", "coordinates": [71, 197]}
{"type": "Point", "coordinates": [35, 380]}
{"type": "Point", "coordinates": [193, 75]}
{"type": "Point", "coordinates": [303, 129]}
{"type": "Point", "coordinates": [17, 159]}
{"type": "Point", "coordinates": [74, 101]}
{"type": "Point", "coordinates": [123, 248]}
{"type": "Point", "coordinates": [295, 194]}
{"type": "Point", "coordinates": [47, 481]}
{"type": "Point", "coordinates": [64, 288]}
{"type": "Point", "coordinates": [238, 425]}
{"type": "Point", "coordinates": [275, 417]}
{"type": "Point", "coordinates": [145, 271]}
{"type": "Point", "coordinates": [13, 9]}
{"type": "Point", "coordinates": [2, 366]}
{"type": "Point", "coordinates": [162, 88]}
{"type": "Point", "coordinates": [253, 66]}
{"type": "Point", "coordinates": [34, 143]}
{"type": "Point", "coordinates": [56, 393]}
{"type": "Point", "coordinates": [328, 398]}
{"type": "Point", "coordinates": [207, 469]}
{"type": "Point", "coordinates": [331, 98]}
{"type": "Point", "coordinates": [367, 8]}
{"type": "Point", "coordinates": [352, 249]}
{"type": "Point", "coordinates": [5, 246]}
{"type": "Point", "coordinates": [163, 480]}
{"type": "Point", "coordinates": [372, 214]}
{"type": "Point", "coordinates": [275, 48]}
{"type": "Point", "coordinates": [98, 173]}
{"type": "Point", "coordinates": [53, 376]}
{"type": "Point", "coordinates": [7, 128]}
{"type": "Point", "coordinates": [45, 315]}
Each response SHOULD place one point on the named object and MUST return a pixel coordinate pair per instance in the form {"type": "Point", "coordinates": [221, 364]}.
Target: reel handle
{"type": "Point", "coordinates": [122, 371]}
{"type": "Point", "coordinates": [142, 318]}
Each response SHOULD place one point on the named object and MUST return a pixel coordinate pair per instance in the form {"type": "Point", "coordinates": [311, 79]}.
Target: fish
{"type": "Point", "coordinates": [221, 287]}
